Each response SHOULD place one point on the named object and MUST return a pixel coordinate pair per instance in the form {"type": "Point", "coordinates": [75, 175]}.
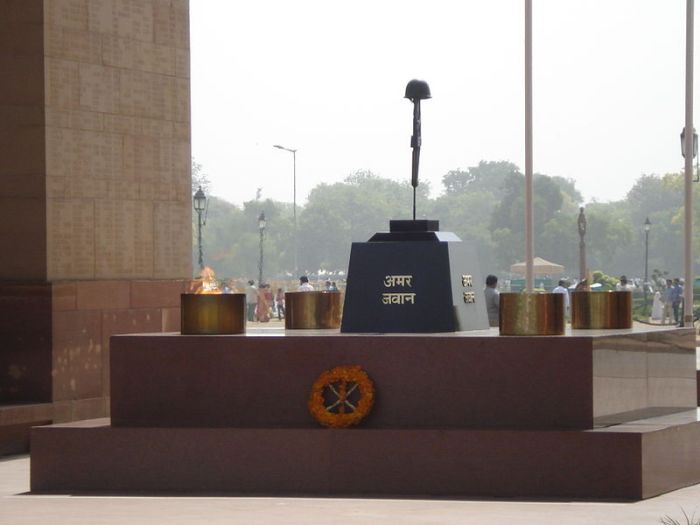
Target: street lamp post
{"type": "Point", "coordinates": [582, 272]}
{"type": "Point", "coordinates": [261, 227]}
{"type": "Point", "coordinates": [647, 227]}
{"type": "Point", "coordinates": [296, 244]}
{"type": "Point", "coordinates": [200, 205]}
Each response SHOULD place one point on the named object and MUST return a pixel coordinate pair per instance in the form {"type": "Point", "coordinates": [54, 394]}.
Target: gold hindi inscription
{"type": "Point", "coordinates": [398, 298]}
{"type": "Point", "coordinates": [394, 297]}
{"type": "Point", "coordinates": [398, 280]}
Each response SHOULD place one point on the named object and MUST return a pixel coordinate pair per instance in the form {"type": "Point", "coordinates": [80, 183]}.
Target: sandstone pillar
{"type": "Point", "coordinates": [95, 205]}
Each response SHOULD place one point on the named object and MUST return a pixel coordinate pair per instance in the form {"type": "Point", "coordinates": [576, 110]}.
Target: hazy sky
{"type": "Point", "coordinates": [328, 79]}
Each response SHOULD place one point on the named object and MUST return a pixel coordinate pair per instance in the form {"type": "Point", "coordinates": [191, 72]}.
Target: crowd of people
{"type": "Point", "coordinates": [262, 304]}
{"type": "Point", "coordinates": [667, 305]}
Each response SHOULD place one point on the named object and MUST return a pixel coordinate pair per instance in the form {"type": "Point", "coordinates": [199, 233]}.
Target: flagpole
{"type": "Point", "coordinates": [689, 273]}
{"type": "Point", "coordinates": [529, 243]}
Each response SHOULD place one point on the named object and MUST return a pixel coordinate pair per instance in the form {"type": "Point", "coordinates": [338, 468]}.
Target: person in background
{"type": "Point", "coordinates": [251, 299]}
{"type": "Point", "coordinates": [269, 299]}
{"type": "Point", "coordinates": [333, 288]}
{"type": "Point", "coordinates": [492, 299]}
{"type": "Point", "coordinates": [304, 285]}
{"type": "Point", "coordinates": [667, 299]}
{"type": "Point", "coordinates": [262, 311]}
{"type": "Point", "coordinates": [623, 285]}
{"type": "Point", "coordinates": [657, 307]}
{"type": "Point", "coordinates": [328, 286]}
{"type": "Point", "coordinates": [677, 300]}
{"type": "Point", "coordinates": [561, 288]}
{"type": "Point", "coordinates": [279, 300]}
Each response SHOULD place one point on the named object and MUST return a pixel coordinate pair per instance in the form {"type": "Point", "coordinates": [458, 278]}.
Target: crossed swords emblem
{"type": "Point", "coordinates": [342, 393]}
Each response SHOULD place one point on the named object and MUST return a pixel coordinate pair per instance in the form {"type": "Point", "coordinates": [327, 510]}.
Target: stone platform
{"type": "Point", "coordinates": [593, 415]}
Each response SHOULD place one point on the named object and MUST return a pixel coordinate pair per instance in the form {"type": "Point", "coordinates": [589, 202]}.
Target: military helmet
{"type": "Point", "coordinates": [417, 90]}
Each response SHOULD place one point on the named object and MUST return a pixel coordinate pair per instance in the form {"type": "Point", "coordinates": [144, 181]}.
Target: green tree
{"type": "Point", "coordinates": [609, 236]}
{"type": "Point", "coordinates": [486, 177]}
{"type": "Point", "coordinates": [353, 210]}
{"type": "Point", "coordinates": [199, 178]}
{"type": "Point", "coordinates": [508, 220]}
{"type": "Point", "coordinates": [467, 214]}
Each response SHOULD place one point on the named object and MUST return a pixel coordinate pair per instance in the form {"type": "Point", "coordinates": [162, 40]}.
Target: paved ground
{"type": "Point", "coordinates": [19, 508]}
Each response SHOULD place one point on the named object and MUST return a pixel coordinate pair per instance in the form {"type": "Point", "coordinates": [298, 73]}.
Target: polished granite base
{"type": "Point", "coordinates": [592, 414]}
{"type": "Point", "coordinates": [631, 461]}
{"type": "Point", "coordinates": [470, 379]}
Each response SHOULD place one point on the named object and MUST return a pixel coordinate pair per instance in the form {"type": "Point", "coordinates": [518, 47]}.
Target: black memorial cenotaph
{"type": "Point", "coordinates": [414, 278]}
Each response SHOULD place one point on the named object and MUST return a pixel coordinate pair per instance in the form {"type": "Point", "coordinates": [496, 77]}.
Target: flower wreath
{"type": "Point", "coordinates": [342, 381]}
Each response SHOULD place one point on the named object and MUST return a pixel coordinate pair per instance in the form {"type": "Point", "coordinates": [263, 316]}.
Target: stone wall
{"type": "Point", "coordinates": [118, 157]}
{"type": "Point", "coordinates": [95, 205]}
{"type": "Point", "coordinates": [22, 137]}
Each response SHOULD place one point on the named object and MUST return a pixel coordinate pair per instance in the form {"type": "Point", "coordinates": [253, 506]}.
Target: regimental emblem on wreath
{"type": "Point", "coordinates": [341, 397]}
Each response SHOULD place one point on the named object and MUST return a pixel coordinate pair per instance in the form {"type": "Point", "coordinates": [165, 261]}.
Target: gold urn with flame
{"type": "Point", "coordinates": [208, 311]}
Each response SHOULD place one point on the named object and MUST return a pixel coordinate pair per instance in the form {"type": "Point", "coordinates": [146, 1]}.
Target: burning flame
{"type": "Point", "coordinates": [208, 282]}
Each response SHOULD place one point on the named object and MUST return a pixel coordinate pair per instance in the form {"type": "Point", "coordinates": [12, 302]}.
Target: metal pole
{"type": "Point", "coordinates": [582, 271]}
{"type": "Point", "coordinates": [529, 241]}
{"type": "Point", "coordinates": [689, 274]}
{"type": "Point", "coordinates": [296, 240]}
{"type": "Point", "coordinates": [646, 267]}
{"type": "Point", "coordinates": [260, 264]}
{"type": "Point", "coordinates": [199, 239]}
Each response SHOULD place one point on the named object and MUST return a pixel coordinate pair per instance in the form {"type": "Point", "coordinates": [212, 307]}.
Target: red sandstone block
{"type": "Point", "coordinates": [156, 294]}
{"type": "Point", "coordinates": [27, 73]}
{"type": "Point", "coordinates": [22, 148]}
{"type": "Point", "coordinates": [16, 117]}
{"type": "Point", "coordinates": [23, 183]}
{"type": "Point", "coordinates": [171, 319]}
{"type": "Point", "coordinates": [64, 296]}
{"type": "Point", "coordinates": [14, 439]}
{"type": "Point", "coordinates": [25, 414]}
{"type": "Point", "coordinates": [105, 368]}
{"type": "Point", "coordinates": [62, 411]}
{"type": "Point", "coordinates": [133, 321]}
{"type": "Point", "coordinates": [91, 408]}
{"type": "Point", "coordinates": [24, 12]}
{"type": "Point", "coordinates": [103, 295]}
{"type": "Point", "coordinates": [21, 38]}
{"type": "Point", "coordinates": [23, 226]}
{"type": "Point", "coordinates": [25, 309]}
{"type": "Point", "coordinates": [77, 354]}
{"type": "Point", "coordinates": [145, 320]}
{"type": "Point", "coordinates": [25, 367]}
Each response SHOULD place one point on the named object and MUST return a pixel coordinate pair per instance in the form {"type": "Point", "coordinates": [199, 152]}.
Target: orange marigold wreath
{"type": "Point", "coordinates": [341, 381]}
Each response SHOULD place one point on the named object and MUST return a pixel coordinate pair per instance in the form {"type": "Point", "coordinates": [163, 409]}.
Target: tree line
{"type": "Point", "coordinates": [483, 204]}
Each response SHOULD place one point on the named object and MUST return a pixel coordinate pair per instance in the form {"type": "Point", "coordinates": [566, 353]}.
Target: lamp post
{"type": "Point", "coordinates": [261, 227]}
{"type": "Point", "coordinates": [582, 272]}
{"type": "Point", "coordinates": [695, 143]}
{"type": "Point", "coordinates": [200, 205]}
{"type": "Point", "coordinates": [296, 244]}
{"type": "Point", "coordinates": [647, 227]}
{"type": "Point", "coordinates": [695, 152]}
